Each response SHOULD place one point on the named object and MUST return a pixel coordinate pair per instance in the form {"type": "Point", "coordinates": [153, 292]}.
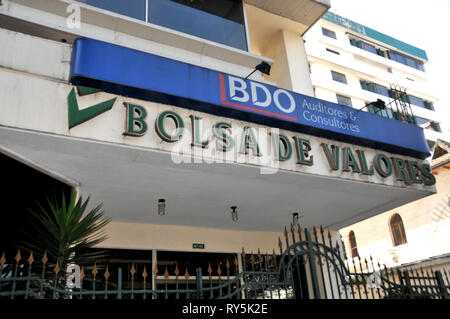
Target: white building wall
{"type": "Point", "coordinates": [358, 64]}
{"type": "Point", "coordinates": [427, 227]}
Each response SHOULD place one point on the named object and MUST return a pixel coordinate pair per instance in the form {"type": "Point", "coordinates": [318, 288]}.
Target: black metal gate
{"type": "Point", "coordinates": [307, 267]}
{"type": "Point", "coordinates": [309, 264]}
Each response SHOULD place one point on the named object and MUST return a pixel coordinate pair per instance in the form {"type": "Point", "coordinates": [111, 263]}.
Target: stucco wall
{"type": "Point", "coordinates": [427, 227]}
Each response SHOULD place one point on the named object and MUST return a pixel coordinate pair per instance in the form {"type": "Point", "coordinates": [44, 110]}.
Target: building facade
{"type": "Point", "coordinates": [412, 236]}
{"type": "Point", "coordinates": [154, 108]}
{"type": "Point", "coordinates": [356, 66]}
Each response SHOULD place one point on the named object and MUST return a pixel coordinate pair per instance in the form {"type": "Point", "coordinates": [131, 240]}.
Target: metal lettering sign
{"type": "Point", "coordinates": [144, 76]}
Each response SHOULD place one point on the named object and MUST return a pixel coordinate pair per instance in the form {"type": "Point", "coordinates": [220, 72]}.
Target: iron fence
{"type": "Point", "coordinates": [309, 264]}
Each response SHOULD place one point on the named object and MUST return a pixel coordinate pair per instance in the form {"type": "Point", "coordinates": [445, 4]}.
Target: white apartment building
{"type": "Point", "coordinates": [354, 65]}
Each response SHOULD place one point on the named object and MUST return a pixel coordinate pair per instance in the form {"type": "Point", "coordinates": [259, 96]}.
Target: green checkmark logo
{"type": "Point", "coordinates": [77, 116]}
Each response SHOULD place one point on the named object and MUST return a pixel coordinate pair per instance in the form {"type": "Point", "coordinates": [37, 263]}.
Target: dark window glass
{"type": "Point", "coordinates": [329, 33]}
{"type": "Point", "coordinates": [427, 124]}
{"type": "Point", "coordinates": [332, 51]}
{"type": "Point", "coordinates": [435, 127]}
{"type": "Point", "coordinates": [381, 90]}
{"type": "Point", "coordinates": [220, 21]}
{"type": "Point", "coordinates": [339, 77]}
{"type": "Point", "coordinates": [368, 47]}
{"type": "Point", "coordinates": [375, 88]}
{"type": "Point", "coordinates": [134, 9]}
{"type": "Point", "coordinates": [419, 102]}
{"type": "Point", "coordinates": [421, 121]}
{"type": "Point", "coordinates": [228, 9]}
{"type": "Point", "coordinates": [398, 230]}
{"type": "Point", "coordinates": [344, 100]}
{"type": "Point", "coordinates": [416, 101]}
{"type": "Point", "coordinates": [406, 60]}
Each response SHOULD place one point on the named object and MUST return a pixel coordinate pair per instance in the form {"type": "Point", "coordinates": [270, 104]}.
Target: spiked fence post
{"type": "Point", "coordinates": [219, 272]}
{"type": "Point", "coordinates": [2, 263]}
{"type": "Point", "coordinates": [119, 283]}
{"type": "Point", "coordinates": [186, 276]}
{"type": "Point", "coordinates": [312, 265]}
{"type": "Point", "coordinates": [210, 280]}
{"type": "Point", "coordinates": [106, 275]}
{"type": "Point", "coordinates": [56, 270]}
{"type": "Point", "coordinates": [144, 277]}
{"type": "Point", "coordinates": [81, 282]}
{"type": "Point", "coordinates": [244, 275]}
{"type": "Point", "coordinates": [177, 272]}
{"type": "Point", "coordinates": [166, 277]}
{"type": "Point", "coordinates": [319, 259]}
{"type": "Point", "coordinates": [441, 284]}
{"type": "Point", "coordinates": [27, 286]}
{"type": "Point", "coordinates": [227, 266]}
{"type": "Point", "coordinates": [296, 262]}
{"type": "Point", "coordinates": [44, 263]}
{"type": "Point", "coordinates": [330, 280]}
{"type": "Point", "coordinates": [339, 283]}
{"type": "Point", "coordinates": [154, 288]}
{"type": "Point", "coordinates": [17, 258]}
{"type": "Point", "coordinates": [199, 279]}
{"type": "Point", "coordinates": [408, 283]}
{"type": "Point", "coordinates": [94, 274]}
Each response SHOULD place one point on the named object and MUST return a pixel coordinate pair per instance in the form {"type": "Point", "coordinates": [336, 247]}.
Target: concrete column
{"type": "Point", "coordinates": [290, 69]}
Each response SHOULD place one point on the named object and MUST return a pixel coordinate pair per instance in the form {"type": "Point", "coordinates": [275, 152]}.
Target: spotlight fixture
{"type": "Point", "coordinates": [161, 206]}
{"type": "Point", "coordinates": [379, 104]}
{"type": "Point", "coordinates": [263, 67]}
{"type": "Point", "coordinates": [234, 214]}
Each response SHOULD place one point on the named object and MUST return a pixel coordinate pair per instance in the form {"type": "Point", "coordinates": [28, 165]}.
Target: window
{"type": "Point", "coordinates": [329, 33]}
{"type": "Point", "coordinates": [332, 51]}
{"type": "Point", "coordinates": [339, 77]}
{"type": "Point", "coordinates": [406, 60]}
{"type": "Point", "coordinates": [419, 102]}
{"type": "Point", "coordinates": [220, 21]}
{"type": "Point", "coordinates": [435, 126]}
{"type": "Point", "coordinates": [344, 100]}
{"type": "Point", "coordinates": [375, 88]}
{"type": "Point", "coordinates": [398, 231]}
{"type": "Point", "coordinates": [216, 20]}
{"type": "Point", "coordinates": [367, 47]}
{"type": "Point", "coordinates": [353, 246]}
{"type": "Point", "coordinates": [427, 124]}
{"type": "Point", "coordinates": [133, 9]}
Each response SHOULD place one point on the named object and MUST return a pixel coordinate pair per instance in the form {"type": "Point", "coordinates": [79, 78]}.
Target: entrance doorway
{"type": "Point", "coordinates": [23, 187]}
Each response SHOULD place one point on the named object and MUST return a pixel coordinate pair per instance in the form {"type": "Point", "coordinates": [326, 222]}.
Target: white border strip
{"type": "Point", "coordinates": [39, 167]}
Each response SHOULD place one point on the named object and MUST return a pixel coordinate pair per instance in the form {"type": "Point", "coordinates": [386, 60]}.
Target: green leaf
{"type": "Point", "coordinates": [66, 230]}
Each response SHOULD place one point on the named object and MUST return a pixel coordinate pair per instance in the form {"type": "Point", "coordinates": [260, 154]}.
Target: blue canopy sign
{"type": "Point", "coordinates": [119, 70]}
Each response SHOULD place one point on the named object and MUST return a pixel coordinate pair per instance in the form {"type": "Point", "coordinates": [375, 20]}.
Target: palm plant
{"type": "Point", "coordinates": [66, 232]}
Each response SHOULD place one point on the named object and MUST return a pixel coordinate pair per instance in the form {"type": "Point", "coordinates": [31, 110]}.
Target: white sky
{"type": "Point", "coordinates": [422, 23]}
